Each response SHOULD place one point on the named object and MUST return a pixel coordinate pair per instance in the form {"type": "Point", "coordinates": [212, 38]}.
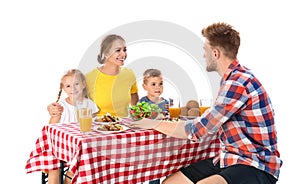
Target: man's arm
{"type": "Point", "coordinates": [173, 129]}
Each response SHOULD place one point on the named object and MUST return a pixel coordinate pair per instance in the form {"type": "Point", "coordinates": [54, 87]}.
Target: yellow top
{"type": "Point", "coordinates": [111, 93]}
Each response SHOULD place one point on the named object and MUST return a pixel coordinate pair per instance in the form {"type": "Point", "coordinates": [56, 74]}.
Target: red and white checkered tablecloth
{"type": "Point", "coordinates": [132, 156]}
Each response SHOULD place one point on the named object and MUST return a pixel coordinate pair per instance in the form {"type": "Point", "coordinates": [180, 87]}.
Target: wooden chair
{"type": "Point", "coordinates": [63, 170]}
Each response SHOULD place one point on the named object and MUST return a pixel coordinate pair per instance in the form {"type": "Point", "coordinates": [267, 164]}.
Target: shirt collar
{"type": "Point", "coordinates": [231, 67]}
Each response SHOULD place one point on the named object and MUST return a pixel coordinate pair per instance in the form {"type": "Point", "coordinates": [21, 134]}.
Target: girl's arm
{"type": "Point", "coordinates": [55, 110]}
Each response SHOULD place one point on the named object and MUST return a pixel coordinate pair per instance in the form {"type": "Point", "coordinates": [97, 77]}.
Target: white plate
{"type": "Point", "coordinates": [109, 132]}
{"type": "Point", "coordinates": [188, 117]}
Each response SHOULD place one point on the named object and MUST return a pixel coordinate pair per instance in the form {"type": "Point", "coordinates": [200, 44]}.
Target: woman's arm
{"type": "Point", "coordinates": [134, 98]}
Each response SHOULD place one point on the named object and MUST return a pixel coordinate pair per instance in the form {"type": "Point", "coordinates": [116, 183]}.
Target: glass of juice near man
{"type": "Point", "coordinates": [174, 108]}
{"type": "Point", "coordinates": [204, 105]}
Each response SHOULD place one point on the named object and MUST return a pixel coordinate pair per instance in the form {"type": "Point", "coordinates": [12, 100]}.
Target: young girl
{"type": "Point", "coordinates": [73, 83]}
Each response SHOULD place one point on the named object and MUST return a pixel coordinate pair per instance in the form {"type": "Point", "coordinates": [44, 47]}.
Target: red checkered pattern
{"type": "Point", "coordinates": [133, 156]}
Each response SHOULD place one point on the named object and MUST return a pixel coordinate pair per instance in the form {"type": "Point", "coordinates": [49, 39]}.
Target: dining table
{"type": "Point", "coordinates": [128, 156]}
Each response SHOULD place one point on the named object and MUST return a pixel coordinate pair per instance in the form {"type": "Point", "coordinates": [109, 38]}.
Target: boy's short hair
{"type": "Point", "coordinates": [151, 73]}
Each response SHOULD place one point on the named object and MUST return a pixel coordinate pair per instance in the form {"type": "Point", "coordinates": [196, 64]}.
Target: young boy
{"type": "Point", "coordinates": [153, 84]}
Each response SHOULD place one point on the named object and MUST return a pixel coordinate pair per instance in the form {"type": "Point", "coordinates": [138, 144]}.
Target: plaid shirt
{"type": "Point", "coordinates": [243, 117]}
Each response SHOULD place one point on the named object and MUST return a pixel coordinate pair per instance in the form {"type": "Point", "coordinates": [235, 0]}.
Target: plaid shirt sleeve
{"type": "Point", "coordinates": [232, 97]}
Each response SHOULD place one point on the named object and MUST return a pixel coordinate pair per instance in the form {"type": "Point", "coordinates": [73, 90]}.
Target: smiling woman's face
{"type": "Point", "coordinates": [117, 53]}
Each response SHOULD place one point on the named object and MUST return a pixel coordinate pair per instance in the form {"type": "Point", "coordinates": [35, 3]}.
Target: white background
{"type": "Point", "coordinates": [39, 40]}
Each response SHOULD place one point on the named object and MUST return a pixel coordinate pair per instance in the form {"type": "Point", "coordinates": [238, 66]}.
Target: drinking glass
{"type": "Point", "coordinates": [204, 105]}
{"type": "Point", "coordinates": [174, 108]}
{"type": "Point", "coordinates": [85, 120]}
{"type": "Point", "coordinates": [84, 116]}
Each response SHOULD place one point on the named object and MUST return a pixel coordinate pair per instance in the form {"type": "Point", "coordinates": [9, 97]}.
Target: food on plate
{"type": "Point", "coordinates": [110, 127]}
{"type": "Point", "coordinates": [192, 104]}
{"type": "Point", "coordinates": [107, 118]}
{"type": "Point", "coordinates": [193, 112]}
{"type": "Point", "coordinates": [144, 110]}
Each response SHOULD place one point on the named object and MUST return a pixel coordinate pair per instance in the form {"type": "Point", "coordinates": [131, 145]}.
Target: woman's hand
{"type": "Point", "coordinates": [145, 123]}
{"type": "Point", "coordinates": [55, 109]}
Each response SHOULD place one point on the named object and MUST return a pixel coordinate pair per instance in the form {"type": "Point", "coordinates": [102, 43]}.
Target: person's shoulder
{"type": "Point", "coordinates": [64, 103]}
{"type": "Point", "coordinates": [164, 99]}
{"type": "Point", "coordinates": [91, 101]}
{"type": "Point", "coordinates": [92, 73]}
{"type": "Point", "coordinates": [94, 70]}
{"type": "Point", "coordinates": [127, 71]}
{"type": "Point", "coordinates": [144, 99]}
{"type": "Point", "coordinates": [93, 105]}
{"type": "Point", "coordinates": [241, 72]}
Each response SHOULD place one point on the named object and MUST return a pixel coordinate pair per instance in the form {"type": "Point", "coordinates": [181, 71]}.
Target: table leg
{"type": "Point", "coordinates": [61, 172]}
{"type": "Point", "coordinates": [44, 178]}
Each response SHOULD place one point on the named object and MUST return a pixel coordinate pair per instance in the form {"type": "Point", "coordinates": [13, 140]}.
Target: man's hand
{"type": "Point", "coordinates": [145, 123]}
{"type": "Point", "coordinates": [55, 109]}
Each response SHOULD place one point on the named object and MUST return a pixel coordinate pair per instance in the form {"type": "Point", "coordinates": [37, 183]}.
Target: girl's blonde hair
{"type": "Point", "coordinates": [76, 73]}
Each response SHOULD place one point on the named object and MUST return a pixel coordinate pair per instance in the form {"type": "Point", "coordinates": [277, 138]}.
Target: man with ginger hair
{"type": "Point", "coordinates": [242, 116]}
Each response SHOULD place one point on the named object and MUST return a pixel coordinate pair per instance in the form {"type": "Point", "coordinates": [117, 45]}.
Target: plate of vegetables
{"type": "Point", "coordinates": [144, 110]}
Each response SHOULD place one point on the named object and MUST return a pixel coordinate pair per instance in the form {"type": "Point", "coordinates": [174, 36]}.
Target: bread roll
{"type": "Point", "coordinates": [183, 111]}
{"type": "Point", "coordinates": [193, 112]}
{"type": "Point", "coordinates": [192, 104]}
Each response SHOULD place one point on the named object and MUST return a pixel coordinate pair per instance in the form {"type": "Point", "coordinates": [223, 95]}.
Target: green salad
{"type": "Point", "coordinates": [144, 110]}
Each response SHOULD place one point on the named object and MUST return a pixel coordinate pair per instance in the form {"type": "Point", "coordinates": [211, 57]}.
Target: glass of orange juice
{"type": "Point", "coordinates": [174, 108]}
{"type": "Point", "coordinates": [84, 116]}
{"type": "Point", "coordinates": [85, 120]}
{"type": "Point", "coordinates": [204, 105]}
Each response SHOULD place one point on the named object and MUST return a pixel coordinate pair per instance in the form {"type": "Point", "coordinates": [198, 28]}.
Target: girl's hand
{"type": "Point", "coordinates": [55, 109]}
